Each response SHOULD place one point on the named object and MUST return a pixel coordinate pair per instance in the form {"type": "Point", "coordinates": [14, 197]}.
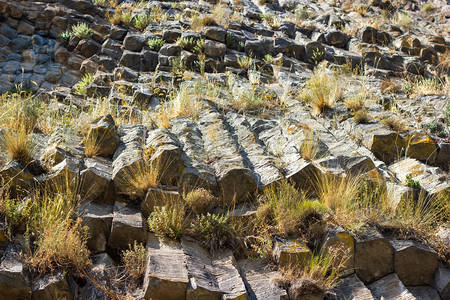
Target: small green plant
{"type": "Point", "coordinates": [198, 46]}
{"type": "Point", "coordinates": [318, 55]}
{"type": "Point", "coordinates": [186, 43]}
{"type": "Point", "coordinates": [447, 114]}
{"type": "Point", "coordinates": [101, 3]}
{"type": "Point", "coordinates": [81, 86]}
{"type": "Point", "coordinates": [412, 183]}
{"type": "Point", "coordinates": [200, 200]}
{"type": "Point", "coordinates": [214, 231]}
{"type": "Point", "coordinates": [134, 260]}
{"type": "Point", "coordinates": [155, 43]}
{"type": "Point", "coordinates": [141, 21]}
{"type": "Point", "coordinates": [245, 62]}
{"type": "Point", "coordinates": [82, 30]}
{"type": "Point", "coordinates": [167, 221]}
{"type": "Point", "coordinates": [230, 41]}
{"type": "Point", "coordinates": [301, 13]}
{"type": "Point", "coordinates": [65, 35]}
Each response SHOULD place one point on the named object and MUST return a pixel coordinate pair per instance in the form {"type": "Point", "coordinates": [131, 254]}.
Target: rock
{"type": "Point", "coordinates": [20, 179]}
{"type": "Point", "coordinates": [52, 287]}
{"type": "Point", "coordinates": [167, 155]}
{"type": "Point", "coordinates": [149, 61]}
{"type": "Point", "coordinates": [336, 38]}
{"type": "Point", "coordinates": [214, 49]}
{"type": "Point", "coordinates": [134, 42]}
{"type": "Point", "coordinates": [103, 134]}
{"type": "Point", "coordinates": [441, 282]}
{"type": "Point", "coordinates": [374, 256]}
{"type": "Point", "coordinates": [367, 34]}
{"type": "Point", "coordinates": [127, 227]}
{"type": "Point", "coordinates": [170, 50]}
{"type": "Point", "coordinates": [257, 277]}
{"type": "Point", "coordinates": [89, 47]}
{"type": "Point", "coordinates": [112, 49]}
{"type": "Point", "coordinates": [340, 243]}
{"type": "Point", "coordinates": [98, 218]}
{"type": "Point", "coordinates": [212, 276]}
{"type": "Point", "coordinates": [443, 158]}
{"type": "Point", "coordinates": [383, 38]}
{"type": "Point", "coordinates": [103, 269]}
{"type": "Point", "coordinates": [96, 180]}
{"type": "Point", "coordinates": [118, 33]}
{"type": "Point", "coordinates": [258, 48]}
{"type": "Point", "coordinates": [351, 287]}
{"type": "Point", "coordinates": [422, 147]}
{"type": "Point", "coordinates": [423, 292]}
{"type": "Point", "coordinates": [158, 197]}
{"type": "Point", "coordinates": [415, 264]}
{"type": "Point", "coordinates": [25, 28]}
{"type": "Point", "coordinates": [14, 278]}
{"type": "Point", "coordinates": [166, 275]}
{"type": "Point", "coordinates": [171, 35]}
{"type": "Point", "coordinates": [215, 33]}
{"type": "Point", "coordinates": [131, 60]}
{"type": "Point", "coordinates": [293, 251]}
{"type": "Point", "coordinates": [428, 177]}
{"type": "Point", "coordinates": [390, 287]}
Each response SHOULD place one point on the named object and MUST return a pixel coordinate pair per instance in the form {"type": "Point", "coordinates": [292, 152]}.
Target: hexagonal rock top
{"type": "Point", "coordinates": [287, 252]}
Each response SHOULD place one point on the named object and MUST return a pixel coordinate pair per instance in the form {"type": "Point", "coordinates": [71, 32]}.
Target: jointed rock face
{"type": "Point", "coordinates": [151, 102]}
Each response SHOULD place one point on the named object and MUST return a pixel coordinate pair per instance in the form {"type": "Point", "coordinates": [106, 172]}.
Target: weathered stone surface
{"type": "Point", "coordinates": [131, 60]}
{"type": "Point", "coordinates": [443, 158]}
{"type": "Point", "coordinates": [52, 287]}
{"type": "Point", "coordinates": [257, 277]}
{"type": "Point", "coordinates": [158, 197]}
{"type": "Point", "coordinates": [166, 275]}
{"type": "Point", "coordinates": [103, 134]}
{"type": "Point", "coordinates": [428, 177]}
{"type": "Point", "coordinates": [14, 278]}
{"type": "Point", "coordinates": [103, 268]}
{"type": "Point", "coordinates": [441, 282]}
{"type": "Point", "coordinates": [215, 33]}
{"type": "Point", "coordinates": [351, 287]}
{"type": "Point", "coordinates": [390, 287]}
{"type": "Point", "coordinates": [98, 219]}
{"type": "Point", "coordinates": [420, 146]}
{"type": "Point", "coordinates": [134, 42]}
{"type": "Point", "coordinates": [423, 292]}
{"type": "Point", "coordinates": [214, 49]}
{"type": "Point", "coordinates": [341, 243]}
{"type": "Point", "coordinates": [212, 276]}
{"type": "Point", "coordinates": [96, 180]}
{"type": "Point", "coordinates": [415, 264]}
{"type": "Point", "coordinates": [127, 227]}
{"type": "Point", "coordinates": [20, 179]}
{"type": "Point", "coordinates": [288, 252]}
{"type": "Point", "coordinates": [374, 257]}
{"type": "Point", "coordinates": [336, 38]}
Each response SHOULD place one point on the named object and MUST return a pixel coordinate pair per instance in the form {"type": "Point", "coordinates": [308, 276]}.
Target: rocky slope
{"type": "Point", "coordinates": [225, 103]}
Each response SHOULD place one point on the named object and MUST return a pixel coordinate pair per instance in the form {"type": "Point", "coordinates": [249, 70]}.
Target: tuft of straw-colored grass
{"type": "Point", "coordinates": [18, 145]}
{"type": "Point", "coordinates": [200, 200]}
{"type": "Point", "coordinates": [395, 123]}
{"type": "Point", "coordinates": [355, 103]}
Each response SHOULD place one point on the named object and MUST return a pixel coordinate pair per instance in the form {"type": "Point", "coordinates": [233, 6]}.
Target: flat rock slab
{"type": "Point", "coordinates": [374, 256]}
{"type": "Point", "coordinates": [96, 178]}
{"type": "Point", "coordinates": [52, 287]}
{"type": "Point", "coordinates": [212, 276]}
{"type": "Point", "coordinates": [166, 275]}
{"type": "Point", "coordinates": [98, 218]}
{"type": "Point", "coordinates": [390, 288]}
{"type": "Point", "coordinates": [257, 276]}
{"type": "Point", "coordinates": [287, 252]}
{"type": "Point", "coordinates": [424, 292]}
{"type": "Point", "coordinates": [351, 287]}
{"type": "Point", "coordinates": [415, 264]}
{"type": "Point", "coordinates": [441, 282]}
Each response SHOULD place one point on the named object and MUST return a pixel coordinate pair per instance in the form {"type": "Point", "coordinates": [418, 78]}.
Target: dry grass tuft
{"type": "Point", "coordinates": [444, 61]}
{"type": "Point", "coordinates": [322, 90]}
{"type": "Point", "coordinates": [395, 123]}
{"type": "Point", "coordinates": [355, 103]}
{"type": "Point", "coordinates": [138, 179]}
{"type": "Point", "coordinates": [200, 200]}
{"type": "Point", "coordinates": [18, 145]}
{"type": "Point", "coordinates": [309, 149]}
{"type": "Point", "coordinates": [390, 86]}
{"type": "Point", "coordinates": [167, 221]}
{"type": "Point", "coordinates": [361, 117]}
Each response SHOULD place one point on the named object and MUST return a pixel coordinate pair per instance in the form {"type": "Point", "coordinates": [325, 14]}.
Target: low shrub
{"type": "Point", "coordinates": [212, 230]}
{"type": "Point", "coordinates": [167, 221]}
{"type": "Point", "coordinates": [134, 260]}
{"type": "Point", "coordinates": [82, 31]}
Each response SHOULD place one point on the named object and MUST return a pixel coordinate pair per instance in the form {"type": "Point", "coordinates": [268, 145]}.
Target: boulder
{"type": "Point", "coordinates": [14, 278]}
{"type": "Point", "coordinates": [20, 178]}
{"type": "Point", "coordinates": [215, 33]}
{"type": "Point", "coordinates": [103, 134]}
{"type": "Point", "coordinates": [127, 227]}
{"type": "Point", "coordinates": [415, 264]}
{"type": "Point", "coordinates": [96, 179]}
{"type": "Point", "coordinates": [214, 49]}
{"type": "Point", "coordinates": [367, 34]}
{"type": "Point", "coordinates": [294, 251]}
{"type": "Point", "coordinates": [89, 47]}
{"type": "Point", "coordinates": [171, 35]}
{"type": "Point", "coordinates": [441, 282]}
{"type": "Point", "coordinates": [340, 243]}
{"type": "Point", "coordinates": [336, 38]}
{"type": "Point", "coordinates": [423, 292]}
{"type": "Point", "coordinates": [98, 219]}
{"type": "Point", "coordinates": [131, 60]}
{"type": "Point", "coordinates": [351, 287]}
{"type": "Point", "coordinates": [374, 256]}
{"type": "Point", "coordinates": [166, 275]}
{"type": "Point", "coordinates": [53, 287]}
{"type": "Point", "coordinates": [134, 42]}
{"type": "Point", "coordinates": [170, 50]}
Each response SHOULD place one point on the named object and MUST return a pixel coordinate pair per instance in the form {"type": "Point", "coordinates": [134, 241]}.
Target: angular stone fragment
{"type": "Point", "coordinates": [14, 279]}
{"type": "Point", "coordinates": [127, 227]}
{"type": "Point", "coordinates": [374, 256]}
{"type": "Point", "coordinates": [340, 243]}
{"type": "Point", "coordinates": [158, 197]}
{"type": "Point", "coordinates": [258, 277]}
{"type": "Point", "coordinates": [66, 171]}
{"type": "Point", "coordinates": [96, 180]}
{"type": "Point", "coordinates": [52, 287]}
{"type": "Point", "coordinates": [98, 219]}
{"type": "Point", "coordinates": [103, 134]}
{"type": "Point", "coordinates": [287, 252]}
{"type": "Point", "coordinates": [390, 287]}
{"type": "Point", "coordinates": [212, 276]}
{"type": "Point", "coordinates": [415, 264]}
{"type": "Point", "coordinates": [431, 179]}
{"type": "Point", "coordinates": [20, 178]}
{"type": "Point", "coordinates": [441, 282]}
{"type": "Point", "coordinates": [351, 287]}
{"type": "Point", "coordinates": [166, 275]}
{"type": "Point", "coordinates": [420, 146]}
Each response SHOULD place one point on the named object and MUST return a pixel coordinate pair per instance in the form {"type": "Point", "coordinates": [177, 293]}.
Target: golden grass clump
{"type": "Point", "coordinates": [200, 200]}
{"type": "Point", "coordinates": [138, 178]}
{"type": "Point", "coordinates": [18, 145]}
{"type": "Point", "coordinates": [355, 103]}
{"type": "Point", "coordinates": [390, 86]}
{"type": "Point", "coordinates": [309, 148]}
{"type": "Point", "coordinates": [361, 117]}
{"type": "Point", "coordinates": [444, 61]}
{"type": "Point", "coordinates": [322, 90]}
{"type": "Point", "coordinates": [395, 123]}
